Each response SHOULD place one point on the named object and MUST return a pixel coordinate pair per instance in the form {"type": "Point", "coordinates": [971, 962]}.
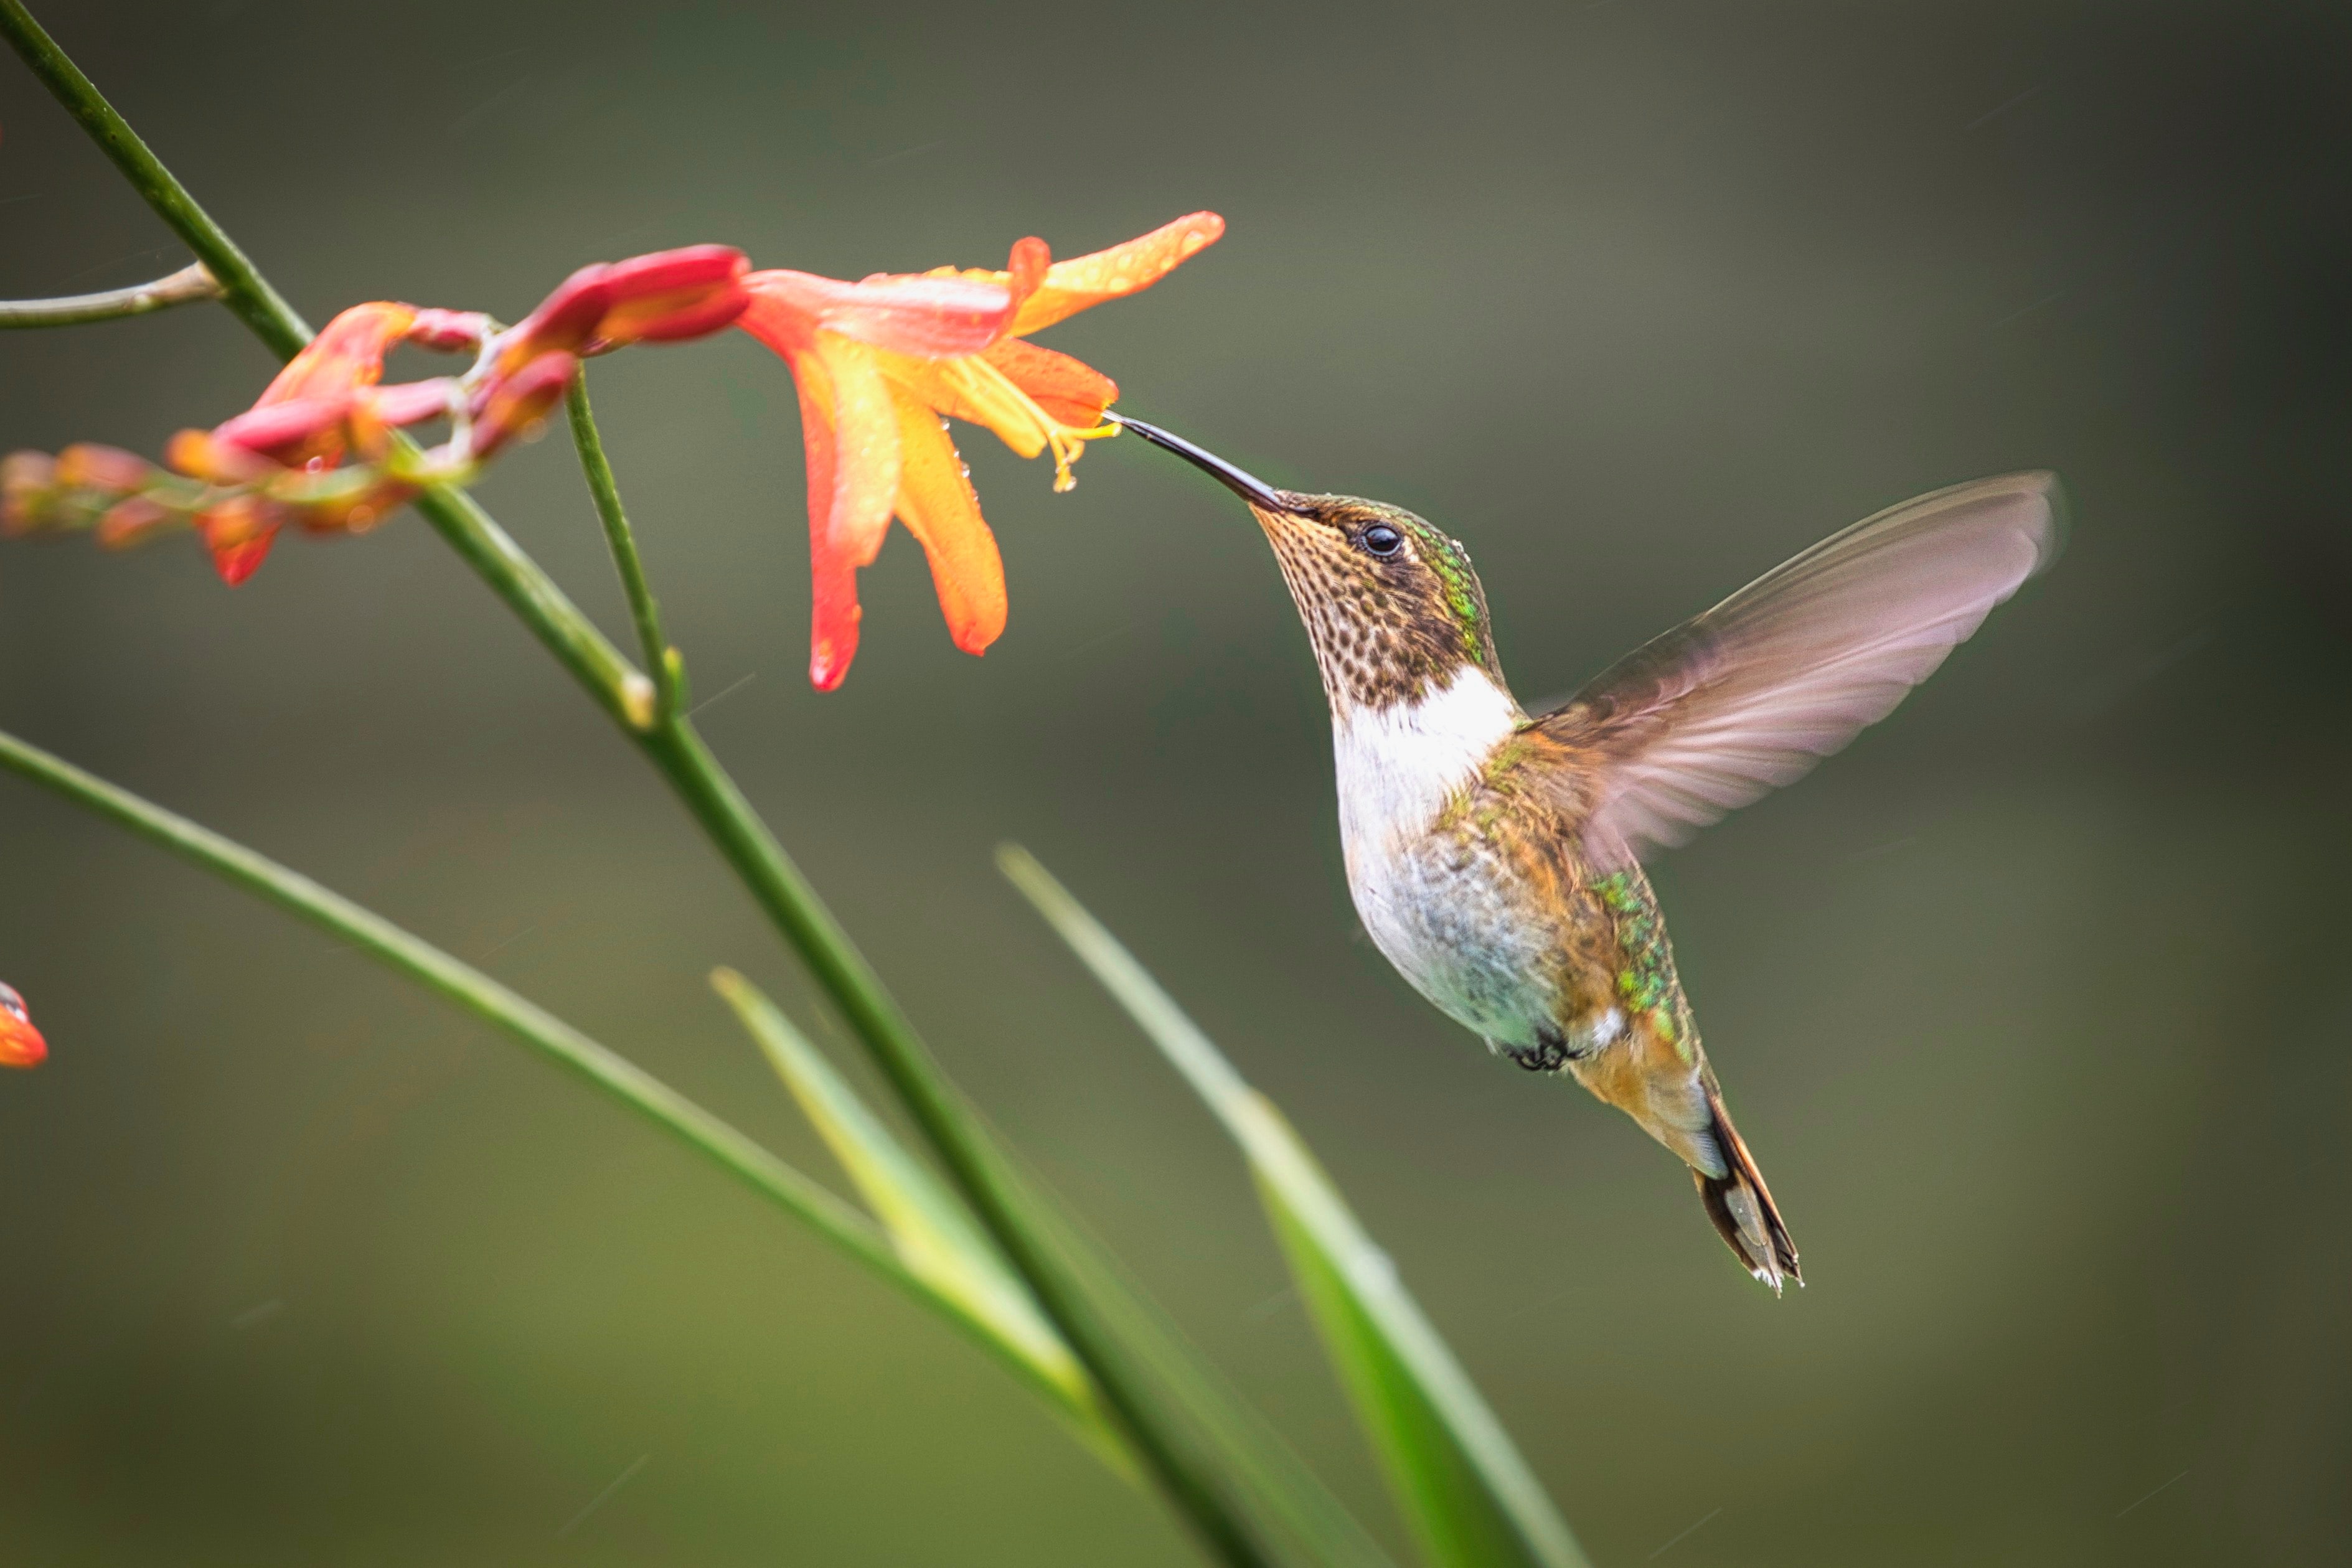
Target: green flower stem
{"type": "Point", "coordinates": [246, 291]}
{"type": "Point", "coordinates": [661, 660]}
{"type": "Point", "coordinates": [1191, 1479]}
{"type": "Point", "coordinates": [190, 284]}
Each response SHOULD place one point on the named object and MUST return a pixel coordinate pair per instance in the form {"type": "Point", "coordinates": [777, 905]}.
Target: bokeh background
{"type": "Point", "coordinates": [2034, 1004]}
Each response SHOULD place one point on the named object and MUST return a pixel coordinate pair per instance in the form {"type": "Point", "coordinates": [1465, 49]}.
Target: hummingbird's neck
{"type": "Point", "coordinates": [1375, 650]}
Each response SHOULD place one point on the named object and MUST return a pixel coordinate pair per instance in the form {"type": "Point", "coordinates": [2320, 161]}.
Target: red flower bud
{"type": "Point", "coordinates": [672, 295]}
{"type": "Point", "coordinates": [564, 321]}
{"type": "Point", "coordinates": [86, 465]}
{"type": "Point", "coordinates": [201, 454]}
{"type": "Point", "coordinates": [239, 531]}
{"type": "Point", "coordinates": [514, 405]}
{"type": "Point", "coordinates": [21, 1044]}
{"type": "Point", "coordinates": [449, 332]}
{"type": "Point", "coordinates": [283, 431]}
{"type": "Point", "coordinates": [660, 298]}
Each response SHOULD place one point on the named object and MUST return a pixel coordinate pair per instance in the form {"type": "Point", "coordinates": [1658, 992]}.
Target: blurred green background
{"type": "Point", "coordinates": [2034, 1004]}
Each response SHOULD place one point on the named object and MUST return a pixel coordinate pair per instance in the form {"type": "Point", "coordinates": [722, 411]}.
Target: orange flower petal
{"type": "Point", "coordinates": [1072, 285]}
{"type": "Point", "coordinates": [833, 610]}
{"type": "Point", "coordinates": [834, 615]}
{"type": "Point", "coordinates": [970, 389]}
{"type": "Point", "coordinates": [1070, 391]}
{"type": "Point", "coordinates": [865, 447]}
{"type": "Point", "coordinates": [1026, 269]}
{"type": "Point", "coordinates": [911, 315]}
{"type": "Point", "coordinates": [937, 503]}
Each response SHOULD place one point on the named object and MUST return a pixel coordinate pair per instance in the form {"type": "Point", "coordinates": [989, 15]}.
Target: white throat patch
{"type": "Point", "coordinates": [1398, 764]}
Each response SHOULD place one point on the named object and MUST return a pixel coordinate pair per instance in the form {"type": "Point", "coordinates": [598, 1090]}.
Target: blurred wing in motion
{"type": "Point", "coordinates": [1749, 695]}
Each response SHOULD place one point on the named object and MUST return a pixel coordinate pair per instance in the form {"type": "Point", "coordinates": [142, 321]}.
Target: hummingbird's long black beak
{"type": "Point", "coordinates": [1257, 492]}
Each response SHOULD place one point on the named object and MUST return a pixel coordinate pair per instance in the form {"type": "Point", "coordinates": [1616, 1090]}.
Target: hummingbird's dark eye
{"type": "Point", "coordinates": [1382, 540]}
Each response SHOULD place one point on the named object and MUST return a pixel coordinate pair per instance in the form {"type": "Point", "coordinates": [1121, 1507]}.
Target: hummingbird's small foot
{"type": "Point", "coordinates": [1549, 1054]}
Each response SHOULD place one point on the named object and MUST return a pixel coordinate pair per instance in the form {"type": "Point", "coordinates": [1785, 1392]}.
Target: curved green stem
{"type": "Point", "coordinates": [185, 287]}
{"type": "Point", "coordinates": [243, 288]}
{"type": "Point", "coordinates": [661, 660]}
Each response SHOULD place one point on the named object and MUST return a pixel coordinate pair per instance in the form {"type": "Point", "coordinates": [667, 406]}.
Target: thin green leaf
{"type": "Point", "coordinates": [1470, 1498]}
{"type": "Point", "coordinates": [1287, 1501]}
{"type": "Point", "coordinates": [935, 1236]}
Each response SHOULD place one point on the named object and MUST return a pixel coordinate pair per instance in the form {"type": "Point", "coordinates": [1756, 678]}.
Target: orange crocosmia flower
{"type": "Point", "coordinates": [877, 362]}
{"type": "Point", "coordinates": [21, 1044]}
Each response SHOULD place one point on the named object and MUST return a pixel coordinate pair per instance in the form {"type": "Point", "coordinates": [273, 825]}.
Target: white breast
{"type": "Point", "coordinates": [1400, 763]}
{"type": "Point", "coordinates": [1440, 913]}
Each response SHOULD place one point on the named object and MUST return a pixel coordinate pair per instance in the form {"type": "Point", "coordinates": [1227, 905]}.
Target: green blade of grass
{"type": "Point", "coordinates": [934, 1234]}
{"type": "Point", "coordinates": [1461, 1485]}
{"type": "Point", "coordinates": [1300, 1516]}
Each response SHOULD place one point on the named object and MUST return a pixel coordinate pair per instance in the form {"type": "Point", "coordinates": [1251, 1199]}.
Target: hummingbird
{"type": "Point", "coordinates": [1495, 858]}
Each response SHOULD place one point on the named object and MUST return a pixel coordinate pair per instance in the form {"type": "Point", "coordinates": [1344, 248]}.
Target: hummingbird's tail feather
{"type": "Point", "coordinates": [1741, 1206]}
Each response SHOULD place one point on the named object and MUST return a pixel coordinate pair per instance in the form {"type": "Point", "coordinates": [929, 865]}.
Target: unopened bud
{"type": "Point", "coordinates": [200, 454]}
{"type": "Point", "coordinates": [515, 405]}
{"type": "Point", "coordinates": [660, 298]}
{"type": "Point", "coordinates": [284, 430]}
{"type": "Point", "coordinates": [21, 1044]}
{"type": "Point", "coordinates": [673, 295]}
{"type": "Point", "coordinates": [86, 465]}
{"type": "Point", "coordinates": [451, 331]}
{"type": "Point", "coordinates": [238, 531]}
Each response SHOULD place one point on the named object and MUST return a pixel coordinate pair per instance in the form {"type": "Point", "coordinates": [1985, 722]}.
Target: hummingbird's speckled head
{"type": "Point", "coordinates": [1390, 604]}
